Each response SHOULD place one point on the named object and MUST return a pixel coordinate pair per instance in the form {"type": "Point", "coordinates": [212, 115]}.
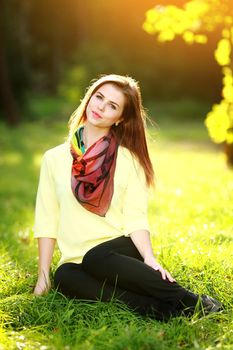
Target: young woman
{"type": "Point", "coordinates": [92, 200]}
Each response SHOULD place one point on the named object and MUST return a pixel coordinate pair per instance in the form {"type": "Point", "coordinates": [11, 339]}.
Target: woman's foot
{"type": "Point", "coordinates": [210, 304]}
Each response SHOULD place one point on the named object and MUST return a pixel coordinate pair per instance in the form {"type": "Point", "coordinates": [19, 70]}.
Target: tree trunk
{"type": "Point", "coordinates": [229, 153]}
{"type": "Point", "coordinates": [9, 106]}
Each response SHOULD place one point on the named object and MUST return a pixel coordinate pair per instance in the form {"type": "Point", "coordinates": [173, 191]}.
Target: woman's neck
{"type": "Point", "coordinates": [91, 134]}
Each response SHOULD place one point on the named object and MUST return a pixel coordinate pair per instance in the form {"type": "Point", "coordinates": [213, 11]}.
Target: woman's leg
{"type": "Point", "coordinates": [118, 261]}
{"type": "Point", "coordinates": [72, 281]}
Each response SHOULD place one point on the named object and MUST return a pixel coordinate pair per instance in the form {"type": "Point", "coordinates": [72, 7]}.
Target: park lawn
{"type": "Point", "coordinates": [190, 214]}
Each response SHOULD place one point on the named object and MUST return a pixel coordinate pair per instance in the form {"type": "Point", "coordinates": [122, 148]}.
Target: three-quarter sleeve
{"type": "Point", "coordinates": [135, 209]}
{"type": "Point", "coordinates": [47, 206]}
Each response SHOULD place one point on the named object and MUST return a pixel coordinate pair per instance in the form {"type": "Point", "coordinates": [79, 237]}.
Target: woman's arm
{"type": "Point", "coordinates": [136, 223]}
{"type": "Point", "coordinates": [46, 222]}
{"type": "Point", "coordinates": [46, 249]}
{"type": "Point", "coordinates": [141, 239]}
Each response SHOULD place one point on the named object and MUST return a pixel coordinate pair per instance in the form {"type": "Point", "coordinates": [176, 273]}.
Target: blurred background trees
{"type": "Point", "coordinates": [193, 22]}
{"type": "Point", "coordinates": [51, 50]}
{"type": "Point", "coordinates": [51, 46]}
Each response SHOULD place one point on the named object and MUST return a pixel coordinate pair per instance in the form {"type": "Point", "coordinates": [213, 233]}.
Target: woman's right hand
{"type": "Point", "coordinates": [42, 286]}
{"type": "Point", "coordinates": [46, 248]}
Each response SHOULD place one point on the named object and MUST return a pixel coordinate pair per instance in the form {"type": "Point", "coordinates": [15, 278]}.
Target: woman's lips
{"type": "Point", "coordinates": [96, 115]}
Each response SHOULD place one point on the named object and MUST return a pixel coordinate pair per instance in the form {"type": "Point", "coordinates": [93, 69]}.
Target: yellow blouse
{"type": "Point", "coordinates": [59, 215]}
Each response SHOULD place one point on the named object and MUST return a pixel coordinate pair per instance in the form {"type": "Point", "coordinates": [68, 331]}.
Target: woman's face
{"type": "Point", "coordinates": [106, 106]}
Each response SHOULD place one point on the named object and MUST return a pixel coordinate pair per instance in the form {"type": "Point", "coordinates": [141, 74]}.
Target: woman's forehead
{"type": "Point", "coordinates": [112, 92]}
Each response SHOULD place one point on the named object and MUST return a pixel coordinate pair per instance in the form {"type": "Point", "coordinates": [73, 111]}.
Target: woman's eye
{"type": "Point", "coordinates": [113, 106]}
{"type": "Point", "coordinates": [99, 97]}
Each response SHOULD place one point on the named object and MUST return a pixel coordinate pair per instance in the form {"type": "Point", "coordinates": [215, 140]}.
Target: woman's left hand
{"type": "Point", "coordinates": [152, 262]}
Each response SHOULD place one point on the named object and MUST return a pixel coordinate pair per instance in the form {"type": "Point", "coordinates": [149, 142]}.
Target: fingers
{"type": "Point", "coordinates": [170, 278]}
{"type": "Point", "coordinates": [165, 274]}
{"type": "Point", "coordinates": [41, 288]}
{"type": "Point", "coordinates": [161, 270]}
{"type": "Point", "coordinates": [38, 291]}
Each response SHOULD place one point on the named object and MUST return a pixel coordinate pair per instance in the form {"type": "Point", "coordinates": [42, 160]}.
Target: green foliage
{"type": "Point", "coordinates": [185, 110]}
{"type": "Point", "coordinates": [71, 87]}
{"type": "Point", "coordinates": [192, 23]}
{"type": "Point", "coordinates": [87, 63]}
{"type": "Point", "coordinates": [45, 107]}
{"type": "Point", "coordinates": [191, 226]}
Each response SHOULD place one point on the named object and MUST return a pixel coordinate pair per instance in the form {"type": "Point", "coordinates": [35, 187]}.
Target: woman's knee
{"type": "Point", "coordinates": [59, 276]}
{"type": "Point", "coordinates": [63, 275]}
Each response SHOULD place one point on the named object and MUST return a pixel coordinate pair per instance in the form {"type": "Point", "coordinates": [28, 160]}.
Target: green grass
{"type": "Point", "coordinates": [190, 214]}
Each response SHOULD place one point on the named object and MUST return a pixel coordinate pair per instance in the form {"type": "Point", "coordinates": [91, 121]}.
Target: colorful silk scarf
{"type": "Point", "coordinates": [92, 176]}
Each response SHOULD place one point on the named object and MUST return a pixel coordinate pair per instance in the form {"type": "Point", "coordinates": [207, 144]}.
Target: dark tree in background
{"type": "Point", "coordinates": [7, 98]}
{"type": "Point", "coordinates": [54, 33]}
{"type": "Point", "coordinates": [36, 39]}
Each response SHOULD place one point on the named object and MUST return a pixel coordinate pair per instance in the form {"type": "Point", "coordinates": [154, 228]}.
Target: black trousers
{"type": "Point", "coordinates": [116, 269]}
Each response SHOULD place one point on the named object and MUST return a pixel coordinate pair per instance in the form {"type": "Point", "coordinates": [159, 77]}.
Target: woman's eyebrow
{"type": "Point", "coordinates": [109, 101]}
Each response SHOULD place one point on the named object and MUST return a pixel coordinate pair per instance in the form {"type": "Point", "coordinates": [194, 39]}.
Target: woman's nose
{"type": "Point", "coordinates": [101, 105]}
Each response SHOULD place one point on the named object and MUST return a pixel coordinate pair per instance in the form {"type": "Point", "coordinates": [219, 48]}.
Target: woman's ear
{"type": "Point", "coordinates": [119, 121]}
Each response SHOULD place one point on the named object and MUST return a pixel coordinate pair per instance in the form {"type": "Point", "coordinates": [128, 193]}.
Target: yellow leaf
{"type": "Point", "coordinates": [218, 121]}
{"type": "Point", "coordinates": [188, 37]}
{"type": "Point", "coordinates": [149, 28]}
{"type": "Point", "coordinates": [200, 38]}
{"type": "Point", "coordinates": [227, 92]}
{"type": "Point", "coordinates": [223, 51]}
{"type": "Point", "coordinates": [197, 8]}
{"type": "Point", "coordinates": [226, 33]}
{"type": "Point", "coordinates": [228, 19]}
{"type": "Point", "coordinates": [166, 35]}
{"type": "Point", "coordinates": [151, 15]}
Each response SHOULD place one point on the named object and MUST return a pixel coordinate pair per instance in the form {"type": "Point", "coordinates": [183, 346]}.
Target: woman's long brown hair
{"type": "Point", "coordinates": [131, 132]}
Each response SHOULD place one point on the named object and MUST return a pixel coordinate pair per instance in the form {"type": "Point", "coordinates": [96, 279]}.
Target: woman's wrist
{"type": "Point", "coordinates": [148, 255]}
{"type": "Point", "coordinates": [141, 240]}
{"type": "Point", "coordinates": [43, 273]}
{"type": "Point", "coordinates": [148, 252]}
{"type": "Point", "coordinates": [46, 249]}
